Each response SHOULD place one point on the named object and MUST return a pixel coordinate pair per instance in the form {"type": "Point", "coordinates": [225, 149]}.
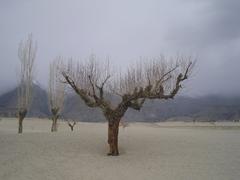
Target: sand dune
{"type": "Point", "coordinates": [164, 151]}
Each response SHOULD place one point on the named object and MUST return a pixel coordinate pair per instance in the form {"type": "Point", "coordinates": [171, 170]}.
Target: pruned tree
{"type": "Point", "coordinates": [27, 54]}
{"type": "Point", "coordinates": [159, 78]}
{"type": "Point", "coordinates": [55, 91]}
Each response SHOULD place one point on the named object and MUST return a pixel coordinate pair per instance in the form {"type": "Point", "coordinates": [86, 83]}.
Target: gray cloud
{"type": "Point", "coordinates": [126, 30]}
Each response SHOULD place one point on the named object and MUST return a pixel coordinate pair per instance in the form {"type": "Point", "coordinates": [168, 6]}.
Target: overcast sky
{"type": "Point", "coordinates": [124, 30]}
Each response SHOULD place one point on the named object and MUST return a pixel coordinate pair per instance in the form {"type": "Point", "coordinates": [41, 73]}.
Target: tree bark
{"type": "Point", "coordinates": [113, 128]}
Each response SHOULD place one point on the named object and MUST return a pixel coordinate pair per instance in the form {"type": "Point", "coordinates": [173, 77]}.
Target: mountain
{"type": "Point", "coordinates": [74, 108]}
{"type": "Point", "coordinates": [206, 108]}
{"type": "Point", "coordinates": [38, 108]}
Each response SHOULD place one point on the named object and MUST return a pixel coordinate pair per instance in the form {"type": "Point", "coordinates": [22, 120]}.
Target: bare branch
{"type": "Point", "coordinates": [136, 104]}
{"type": "Point", "coordinates": [93, 90]}
{"type": "Point", "coordinates": [100, 88]}
{"type": "Point", "coordinates": [82, 93]}
{"type": "Point", "coordinates": [27, 54]}
{"type": "Point", "coordinates": [158, 78]}
{"type": "Point", "coordinates": [162, 81]}
{"type": "Point", "coordinates": [84, 79]}
{"type": "Point", "coordinates": [56, 90]}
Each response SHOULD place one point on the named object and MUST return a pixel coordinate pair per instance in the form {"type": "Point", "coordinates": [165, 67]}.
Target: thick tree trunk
{"type": "Point", "coordinates": [54, 124]}
{"type": "Point", "coordinates": [113, 127]}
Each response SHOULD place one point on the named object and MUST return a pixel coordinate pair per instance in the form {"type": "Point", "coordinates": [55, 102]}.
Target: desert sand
{"type": "Point", "coordinates": [161, 151]}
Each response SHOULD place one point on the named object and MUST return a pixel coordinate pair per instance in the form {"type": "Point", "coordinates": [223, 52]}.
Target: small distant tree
{"type": "Point", "coordinates": [55, 92]}
{"type": "Point", "coordinates": [71, 124]}
{"type": "Point", "coordinates": [27, 54]}
{"type": "Point", "coordinates": [159, 78]}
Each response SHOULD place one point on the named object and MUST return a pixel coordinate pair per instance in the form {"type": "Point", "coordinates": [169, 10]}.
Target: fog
{"type": "Point", "coordinates": [124, 31]}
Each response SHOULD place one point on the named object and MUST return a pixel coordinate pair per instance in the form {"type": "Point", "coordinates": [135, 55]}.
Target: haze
{"type": "Point", "coordinates": [124, 31]}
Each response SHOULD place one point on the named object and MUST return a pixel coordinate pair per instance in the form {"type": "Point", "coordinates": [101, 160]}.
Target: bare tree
{"type": "Point", "coordinates": [55, 92]}
{"type": "Point", "coordinates": [71, 124]}
{"type": "Point", "coordinates": [158, 78]}
{"type": "Point", "coordinates": [27, 54]}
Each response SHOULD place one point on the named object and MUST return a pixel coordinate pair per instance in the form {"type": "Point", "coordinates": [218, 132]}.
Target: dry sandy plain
{"type": "Point", "coordinates": [160, 151]}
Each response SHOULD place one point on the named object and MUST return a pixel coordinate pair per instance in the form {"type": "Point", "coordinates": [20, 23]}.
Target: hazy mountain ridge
{"type": "Point", "coordinates": [206, 108]}
{"type": "Point", "coordinates": [38, 108]}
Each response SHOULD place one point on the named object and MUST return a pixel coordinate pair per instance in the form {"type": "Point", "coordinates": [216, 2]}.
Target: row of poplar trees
{"type": "Point", "coordinates": [56, 90]}
{"type": "Point", "coordinates": [157, 78]}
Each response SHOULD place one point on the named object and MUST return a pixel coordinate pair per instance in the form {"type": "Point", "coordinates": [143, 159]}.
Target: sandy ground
{"type": "Point", "coordinates": [161, 151]}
